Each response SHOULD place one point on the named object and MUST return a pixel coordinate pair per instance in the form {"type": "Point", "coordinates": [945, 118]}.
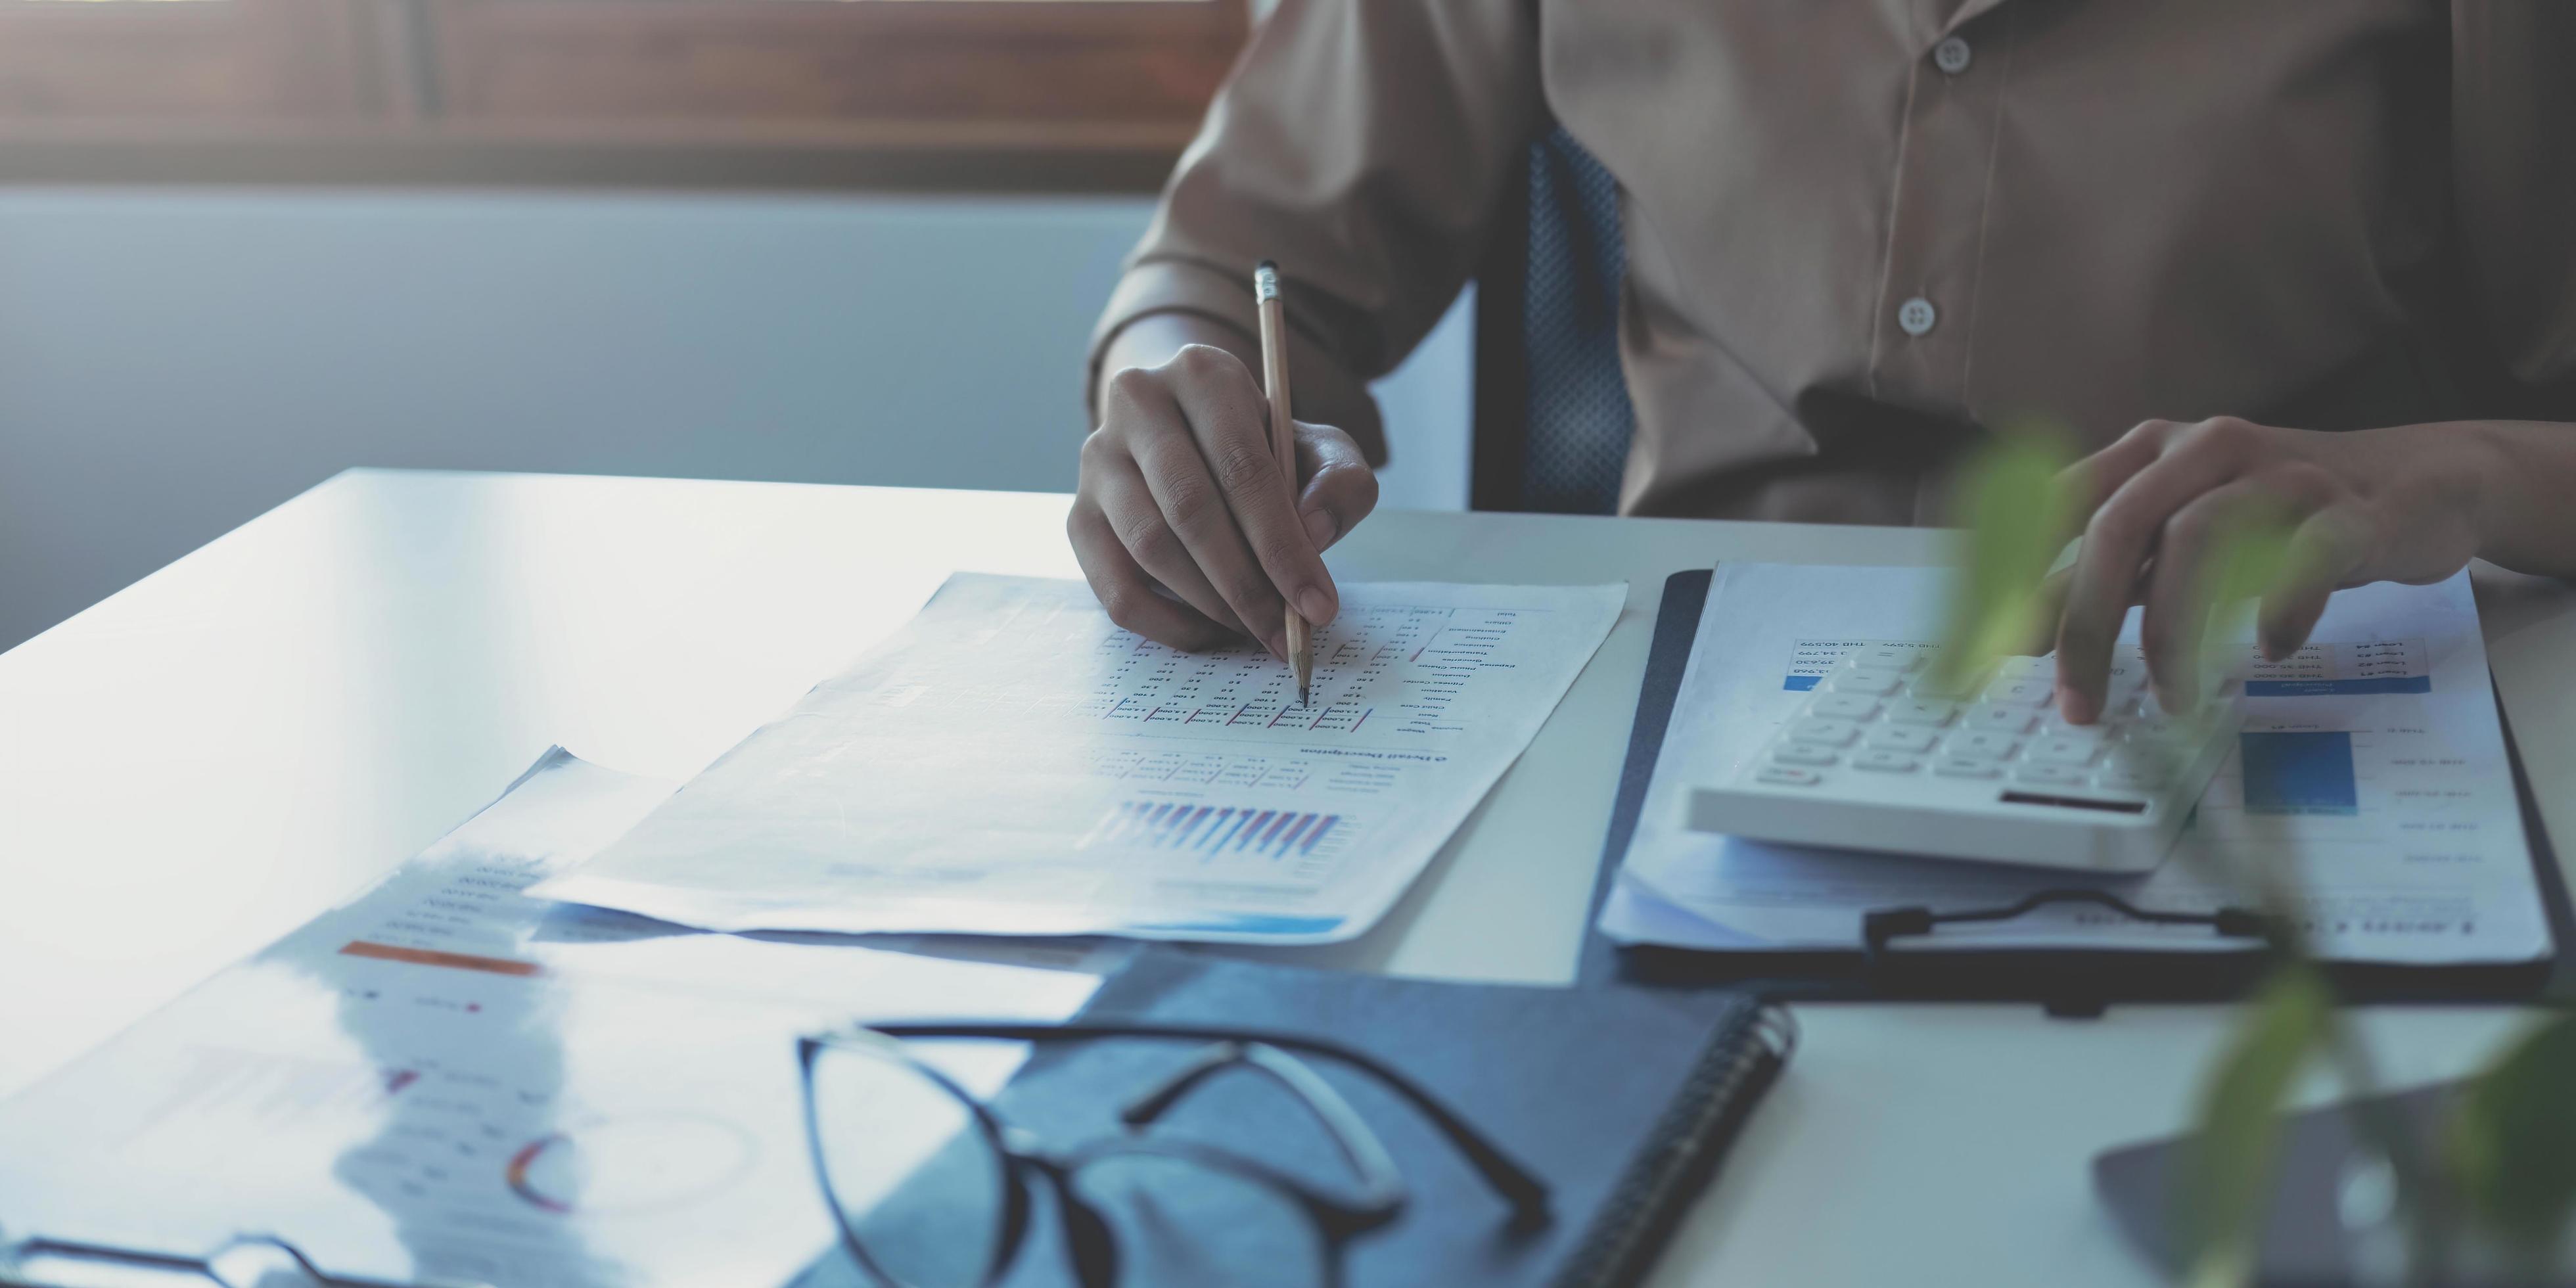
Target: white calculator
{"type": "Point", "coordinates": [1880, 758]}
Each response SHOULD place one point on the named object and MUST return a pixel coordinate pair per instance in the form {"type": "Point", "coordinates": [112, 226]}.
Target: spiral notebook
{"type": "Point", "coordinates": [1622, 1101]}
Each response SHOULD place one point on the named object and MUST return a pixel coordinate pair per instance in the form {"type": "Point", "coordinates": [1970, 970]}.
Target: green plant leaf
{"type": "Point", "coordinates": [2017, 515]}
{"type": "Point", "coordinates": [2225, 1181]}
{"type": "Point", "coordinates": [2513, 1140]}
{"type": "Point", "coordinates": [2249, 558]}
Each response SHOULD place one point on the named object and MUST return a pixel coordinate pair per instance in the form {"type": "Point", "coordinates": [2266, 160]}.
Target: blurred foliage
{"type": "Point", "coordinates": [2224, 1188]}
{"type": "Point", "coordinates": [2017, 513]}
{"type": "Point", "coordinates": [2512, 1146]}
{"type": "Point", "coordinates": [2249, 558]}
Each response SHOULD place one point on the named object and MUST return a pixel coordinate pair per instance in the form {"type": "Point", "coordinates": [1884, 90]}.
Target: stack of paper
{"type": "Point", "coordinates": [1013, 763]}
{"type": "Point", "coordinates": [2372, 765]}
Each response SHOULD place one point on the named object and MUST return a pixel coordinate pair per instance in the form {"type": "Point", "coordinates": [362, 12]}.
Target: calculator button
{"type": "Point", "coordinates": [1900, 738]}
{"type": "Point", "coordinates": [1964, 767]}
{"type": "Point", "coordinates": [1789, 776]}
{"type": "Point", "coordinates": [1999, 719]}
{"type": "Point", "coordinates": [2065, 751]}
{"type": "Point", "coordinates": [2028, 693]}
{"type": "Point", "coordinates": [1844, 706]}
{"type": "Point", "coordinates": [1887, 659]}
{"type": "Point", "coordinates": [1930, 684]}
{"type": "Point", "coordinates": [2121, 779]}
{"type": "Point", "coordinates": [2028, 668]}
{"type": "Point", "coordinates": [2153, 734]}
{"type": "Point", "coordinates": [1863, 682]}
{"type": "Point", "coordinates": [2049, 776]}
{"type": "Point", "coordinates": [1799, 753]}
{"type": "Point", "coordinates": [1934, 712]}
{"type": "Point", "coordinates": [2117, 710]}
{"type": "Point", "coordinates": [1886, 762]}
{"type": "Point", "coordinates": [1830, 733]}
{"type": "Point", "coordinates": [1979, 742]}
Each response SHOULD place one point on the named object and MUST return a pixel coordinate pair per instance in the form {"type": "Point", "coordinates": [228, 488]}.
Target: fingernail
{"type": "Point", "coordinates": [1321, 529]}
{"type": "Point", "coordinates": [1314, 605]}
{"type": "Point", "coordinates": [2077, 708]}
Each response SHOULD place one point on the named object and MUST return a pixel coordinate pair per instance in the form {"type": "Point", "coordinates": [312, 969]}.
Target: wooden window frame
{"type": "Point", "coordinates": [947, 94]}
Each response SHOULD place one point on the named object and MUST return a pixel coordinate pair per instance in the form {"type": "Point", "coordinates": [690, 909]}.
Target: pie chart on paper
{"type": "Point", "coordinates": [631, 1163]}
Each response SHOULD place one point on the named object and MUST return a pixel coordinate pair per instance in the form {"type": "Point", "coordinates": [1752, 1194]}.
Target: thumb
{"type": "Point", "coordinates": [1339, 489]}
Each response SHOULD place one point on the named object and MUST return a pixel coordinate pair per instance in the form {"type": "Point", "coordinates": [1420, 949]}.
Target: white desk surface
{"type": "Point", "coordinates": [217, 753]}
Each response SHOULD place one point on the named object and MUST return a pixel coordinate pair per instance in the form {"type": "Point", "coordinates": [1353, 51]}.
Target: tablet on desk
{"type": "Point", "coordinates": [2333, 1209]}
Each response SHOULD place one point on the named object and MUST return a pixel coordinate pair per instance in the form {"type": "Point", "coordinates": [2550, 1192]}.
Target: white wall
{"type": "Point", "coordinates": [174, 362]}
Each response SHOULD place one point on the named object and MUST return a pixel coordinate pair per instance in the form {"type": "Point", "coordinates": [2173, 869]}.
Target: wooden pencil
{"type": "Point", "coordinates": [1283, 442]}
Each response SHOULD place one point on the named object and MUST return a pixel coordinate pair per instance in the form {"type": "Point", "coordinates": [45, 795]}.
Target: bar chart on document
{"type": "Point", "coordinates": [1016, 763]}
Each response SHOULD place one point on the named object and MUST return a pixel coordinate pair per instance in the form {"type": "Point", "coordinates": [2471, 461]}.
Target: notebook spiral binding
{"type": "Point", "coordinates": [1747, 1051]}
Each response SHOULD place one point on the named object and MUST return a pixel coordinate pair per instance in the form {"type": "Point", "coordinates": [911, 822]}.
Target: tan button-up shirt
{"type": "Point", "coordinates": [1859, 230]}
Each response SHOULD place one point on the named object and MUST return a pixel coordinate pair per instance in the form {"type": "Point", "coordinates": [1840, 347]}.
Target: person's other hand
{"type": "Point", "coordinates": [2373, 505]}
{"type": "Point", "coordinates": [1180, 492]}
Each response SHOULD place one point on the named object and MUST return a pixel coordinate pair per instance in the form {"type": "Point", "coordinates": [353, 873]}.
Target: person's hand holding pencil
{"type": "Point", "coordinates": [1186, 525]}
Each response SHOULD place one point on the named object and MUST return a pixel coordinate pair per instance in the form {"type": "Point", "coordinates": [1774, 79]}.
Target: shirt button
{"type": "Point", "coordinates": [1916, 316]}
{"type": "Point", "coordinates": [1952, 56]}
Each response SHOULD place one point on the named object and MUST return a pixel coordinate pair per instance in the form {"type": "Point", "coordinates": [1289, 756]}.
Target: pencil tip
{"type": "Point", "coordinates": [1301, 695]}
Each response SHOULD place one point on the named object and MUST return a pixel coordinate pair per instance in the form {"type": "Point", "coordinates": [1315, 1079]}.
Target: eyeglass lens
{"type": "Point", "coordinates": [1179, 1222]}
{"type": "Point", "coordinates": [923, 1191]}
{"type": "Point", "coordinates": [920, 1185]}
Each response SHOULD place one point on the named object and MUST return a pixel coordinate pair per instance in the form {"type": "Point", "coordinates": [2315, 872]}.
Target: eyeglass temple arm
{"type": "Point", "coordinates": [1360, 1146]}
{"type": "Point", "coordinates": [1524, 1191]}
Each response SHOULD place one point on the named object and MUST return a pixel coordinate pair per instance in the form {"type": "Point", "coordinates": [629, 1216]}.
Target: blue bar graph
{"type": "Point", "coordinates": [2299, 773]}
{"type": "Point", "coordinates": [1214, 829]}
{"type": "Point", "coordinates": [2332, 688]}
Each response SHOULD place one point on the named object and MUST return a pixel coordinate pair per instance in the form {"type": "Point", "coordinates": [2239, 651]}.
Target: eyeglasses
{"type": "Point", "coordinates": [243, 1261]}
{"type": "Point", "coordinates": [932, 1189]}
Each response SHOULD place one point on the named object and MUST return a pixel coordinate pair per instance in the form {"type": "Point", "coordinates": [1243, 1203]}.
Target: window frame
{"type": "Point", "coordinates": [1002, 94]}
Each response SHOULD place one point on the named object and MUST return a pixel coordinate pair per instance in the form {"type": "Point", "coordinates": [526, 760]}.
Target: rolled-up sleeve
{"type": "Point", "coordinates": [2513, 108]}
{"type": "Point", "coordinates": [1365, 147]}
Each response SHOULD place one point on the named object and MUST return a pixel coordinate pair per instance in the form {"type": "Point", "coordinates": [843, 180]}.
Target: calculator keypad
{"type": "Point", "coordinates": [1932, 712]}
{"type": "Point", "coordinates": [1982, 744]}
{"type": "Point", "coordinates": [1897, 737]}
{"type": "Point", "coordinates": [1999, 718]}
{"type": "Point", "coordinates": [1844, 706]}
{"type": "Point", "coordinates": [1824, 733]}
{"type": "Point", "coordinates": [1884, 712]}
{"type": "Point", "coordinates": [1865, 681]}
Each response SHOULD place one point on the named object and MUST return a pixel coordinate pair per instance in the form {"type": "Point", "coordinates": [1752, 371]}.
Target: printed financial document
{"type": "Point", "coordinates": [1013, 763]}
{"type": "Point", "coordinates": [2371, 762]}
{"type": "Point", "coordinates": [448, 1080]}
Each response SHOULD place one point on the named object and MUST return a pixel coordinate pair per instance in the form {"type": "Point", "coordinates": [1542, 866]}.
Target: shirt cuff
{"type": "Point", "coordinates": [1323, 390]}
